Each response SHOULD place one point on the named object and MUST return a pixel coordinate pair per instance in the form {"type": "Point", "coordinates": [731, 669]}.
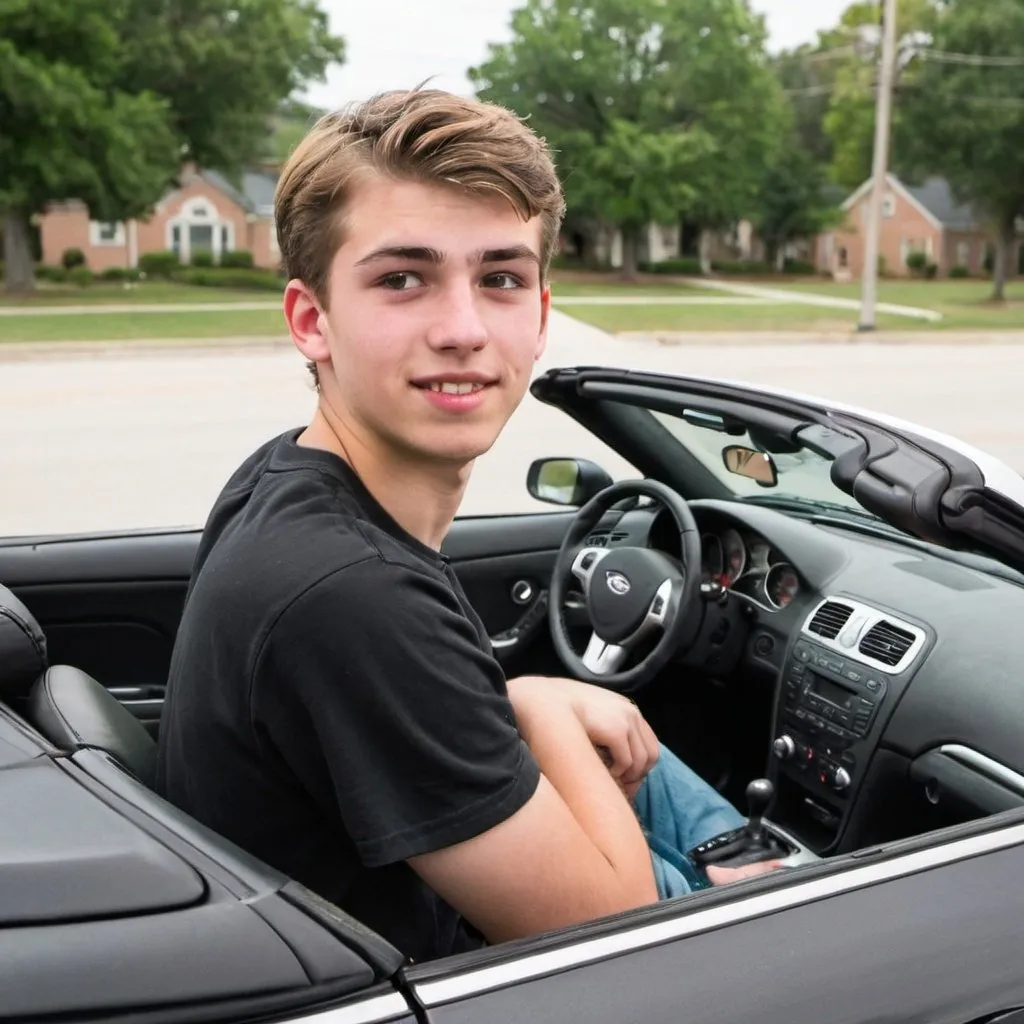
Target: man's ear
{"type": "Point", "coordinates": [545, 309]}
{"type": "Point", "coordinates": [307, 323]}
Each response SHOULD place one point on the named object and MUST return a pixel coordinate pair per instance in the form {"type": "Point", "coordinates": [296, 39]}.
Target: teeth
{"type": "Point", "coordinates": [451, 388]}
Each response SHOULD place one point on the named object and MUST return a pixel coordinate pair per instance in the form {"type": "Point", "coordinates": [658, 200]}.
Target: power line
{"type": "Point", "coordinates": [977, 60]}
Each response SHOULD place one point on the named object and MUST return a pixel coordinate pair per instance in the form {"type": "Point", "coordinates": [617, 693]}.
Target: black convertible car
{"type": "Point", "coordinates": [820, 609]}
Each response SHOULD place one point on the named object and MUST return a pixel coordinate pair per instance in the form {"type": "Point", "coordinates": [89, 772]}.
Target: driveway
{"type": "Point", "coordinates": [111, 441]}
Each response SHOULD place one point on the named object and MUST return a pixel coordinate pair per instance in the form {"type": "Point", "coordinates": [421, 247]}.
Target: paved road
{"type": "Point", "coordinates": [94, 443]}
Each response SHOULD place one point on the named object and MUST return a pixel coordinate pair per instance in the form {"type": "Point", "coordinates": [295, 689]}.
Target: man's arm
{"type": "Point", "coordinates": [572, 853]}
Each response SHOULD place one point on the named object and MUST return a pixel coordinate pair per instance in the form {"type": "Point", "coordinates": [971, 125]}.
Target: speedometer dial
{"type": "Point", "coordinates": [734, 557]}
{"type": "Point", "coordinates": [781, 585]}
{"type": "Point", "coordinates": [712, 558]}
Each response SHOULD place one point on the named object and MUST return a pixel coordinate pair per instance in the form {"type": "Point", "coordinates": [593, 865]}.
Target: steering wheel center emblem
{"type": "Point", "coordinates": [617, 583]}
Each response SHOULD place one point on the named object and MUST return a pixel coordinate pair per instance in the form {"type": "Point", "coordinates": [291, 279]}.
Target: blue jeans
{"type": "Point", "coordinates": [678, 810]}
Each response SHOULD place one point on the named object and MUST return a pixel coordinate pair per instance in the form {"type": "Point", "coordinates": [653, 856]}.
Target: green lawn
{"type": "Point", "coordinates": [773, 317]}
{"type": "Point", "coordinates": [146, 292]}
{"type": "Point", "coordinates": [139, 326]}
{"type": "Point", "coordinates": [965, 305]}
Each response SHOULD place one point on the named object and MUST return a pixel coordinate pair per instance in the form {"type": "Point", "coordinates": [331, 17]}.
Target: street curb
{"type": "Point", "coordinates": [737, 339]}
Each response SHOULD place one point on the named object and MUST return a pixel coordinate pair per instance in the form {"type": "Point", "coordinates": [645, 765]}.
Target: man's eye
{"type": "Point", "coordinates": [401, 281]}
{"type": "Point", "coordinates": [502, 281]}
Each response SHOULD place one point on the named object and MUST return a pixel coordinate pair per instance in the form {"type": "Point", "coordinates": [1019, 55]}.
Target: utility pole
{"type": "Point", "coordinates": [883, 124]}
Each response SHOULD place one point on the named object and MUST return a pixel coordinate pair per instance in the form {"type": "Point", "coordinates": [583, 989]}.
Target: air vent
{"type": "Point", "coordinates": [829, 619]}
{"type": "Point", "coordinates": [602, 540]}
{"type": "Point", "coordinates": [886, 643]}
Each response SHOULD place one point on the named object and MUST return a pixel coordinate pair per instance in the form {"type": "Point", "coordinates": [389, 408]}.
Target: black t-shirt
{"type": "Point", "coordinates": [333, 704]}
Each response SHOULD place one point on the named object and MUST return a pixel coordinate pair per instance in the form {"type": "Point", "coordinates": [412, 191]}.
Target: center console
{"type": "Point", "coordinates": [839, 683]}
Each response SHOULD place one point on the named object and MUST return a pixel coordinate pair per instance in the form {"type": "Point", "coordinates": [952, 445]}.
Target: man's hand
{"type": "Point", "coordinates": [613, 724]}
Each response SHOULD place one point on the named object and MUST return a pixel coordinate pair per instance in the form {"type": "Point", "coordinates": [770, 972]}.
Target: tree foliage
{"type": "Point", "coordinates": [655, 108]}
{"type": "Point", "coordinates": [794, 202]}
{"type": "Point", "coordinates": [102, 100]}
{"type": "Point", "coordinates": [850, 120]}
{"type": "Point", "coordinates": [966, 121]}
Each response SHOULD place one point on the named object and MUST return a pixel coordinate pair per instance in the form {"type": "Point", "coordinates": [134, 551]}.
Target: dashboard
{"type": "Point", "coordinates": [736, 558]}
{"type": "Point", "coordinates": [897, 669]}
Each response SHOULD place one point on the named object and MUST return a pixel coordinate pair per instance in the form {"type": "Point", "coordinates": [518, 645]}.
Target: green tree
{"type": "Point", "coordinates": [685, 82]}
{"type": "Point", "coordinates": [68, 129]}
{"type": "Point", "coordinates": [850, 121]}
{"type": "Point", "coordinates": [794, 201]}
{"type": "Point", "coordinates": [102, 100]}
{"type": "Point", "coordinates": [965, 119]}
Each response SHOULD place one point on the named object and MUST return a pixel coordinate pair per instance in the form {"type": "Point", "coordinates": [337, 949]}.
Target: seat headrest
{"type": "Point", "coordinates": [74, 712]}
{"type": "Point", "coordinates": [22, 647]}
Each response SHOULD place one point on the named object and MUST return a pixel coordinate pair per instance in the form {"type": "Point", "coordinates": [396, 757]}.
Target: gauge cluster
{"type": "Point", "coordinates": [746, 564]}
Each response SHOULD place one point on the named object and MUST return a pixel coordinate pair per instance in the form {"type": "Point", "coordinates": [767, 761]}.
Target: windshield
{"type": "Point", "coordinates": [803, 476]}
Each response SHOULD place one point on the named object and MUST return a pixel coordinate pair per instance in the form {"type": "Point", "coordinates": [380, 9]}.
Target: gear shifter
{"type": "Point", "coordinates": [750, 843]}
{"type": "Point", "coordinates": [760, 793]}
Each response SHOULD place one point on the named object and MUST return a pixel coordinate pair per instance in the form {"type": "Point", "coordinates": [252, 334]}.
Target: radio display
{"type": "Point", "coordinates": [832, 692]}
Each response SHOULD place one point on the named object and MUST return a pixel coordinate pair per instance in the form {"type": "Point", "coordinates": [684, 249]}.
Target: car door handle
{"type": "Point", "coordinates": [525, 627]}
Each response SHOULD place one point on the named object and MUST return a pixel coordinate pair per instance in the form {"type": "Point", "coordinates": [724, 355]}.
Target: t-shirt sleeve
{"type": "Point", "coordinates": [377, 665]}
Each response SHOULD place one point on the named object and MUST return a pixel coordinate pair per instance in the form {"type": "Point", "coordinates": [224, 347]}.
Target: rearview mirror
{"type": "Point", "coordinates": [752, 464]}
{"type": "Point", "coordinates": [566, 481]}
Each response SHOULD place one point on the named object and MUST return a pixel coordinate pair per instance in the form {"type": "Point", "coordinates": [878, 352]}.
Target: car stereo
{"type": "Point", "coordinates": [829, 705]}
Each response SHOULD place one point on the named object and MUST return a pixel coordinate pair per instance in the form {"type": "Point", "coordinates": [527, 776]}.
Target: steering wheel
{"type": "Point", "coordinates": [632, 594]}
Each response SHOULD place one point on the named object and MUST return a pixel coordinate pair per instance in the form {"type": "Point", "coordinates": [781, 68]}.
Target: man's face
{"type": "Point", "coordinates": [436, 318]}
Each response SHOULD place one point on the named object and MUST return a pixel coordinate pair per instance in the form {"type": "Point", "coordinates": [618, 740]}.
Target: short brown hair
{"type": "Point", "coordinates": [424, 135]}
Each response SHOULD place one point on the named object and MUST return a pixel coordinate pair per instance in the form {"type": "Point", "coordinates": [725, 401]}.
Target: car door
{"type": "Point", "coordinates": [927, 931]}
{"type": "Point", "coordinates": [111, 605]}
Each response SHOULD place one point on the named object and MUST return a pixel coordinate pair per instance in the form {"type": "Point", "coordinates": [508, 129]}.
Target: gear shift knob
{"type": "Point", "coordinates": [759, 795]}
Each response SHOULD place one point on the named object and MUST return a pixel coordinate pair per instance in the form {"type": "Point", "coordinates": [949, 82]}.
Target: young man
{"type": "Point", "coordinates": [333, 703]}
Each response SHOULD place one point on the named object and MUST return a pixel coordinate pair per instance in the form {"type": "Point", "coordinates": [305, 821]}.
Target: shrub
{"type": "Point", "coordinates": [959, 272]}
{"type": "Point", "coordinates": [72, 258]}
{"type": "Point", "coordinates": [792, 266]}
{"type": "Point", "coordinates": [119, 274]}
{"type": "Point", "coordinates": [201, 258]}
{"type": "Point", "coordinates": [931, 271]}
{"type": "Point", "coordinates": [58, 275]}
{"type": "Point", "coordinates": [684, 265]}
{"type": "Point", "coordinates": [159, 264]}
{"type": "Point", "coordinates": [80, 276]}
{"type": "Point", "coordinates": [741, 267]}
{"type": "Point", "coordinates": [240, 258]}
{"type": "Point", "coordinates": [220, 277]}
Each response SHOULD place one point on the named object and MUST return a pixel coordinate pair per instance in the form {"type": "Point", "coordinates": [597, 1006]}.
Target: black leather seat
{"type": "Point", "coordinates": [70, 708]}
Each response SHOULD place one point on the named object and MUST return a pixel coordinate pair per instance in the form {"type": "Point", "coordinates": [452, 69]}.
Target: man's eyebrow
{"type": "Point", "coordinates": [506, 255]}
{"type": "Point", "coordinates": [425, 254]}
{"type": "Point", "coordinates": [413, 253]}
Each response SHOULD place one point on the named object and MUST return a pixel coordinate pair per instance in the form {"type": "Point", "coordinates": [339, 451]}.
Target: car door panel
{"type": "Point", "coordinates": [942, 944]}
{"type": "Point", "coordinates": [111, 606]}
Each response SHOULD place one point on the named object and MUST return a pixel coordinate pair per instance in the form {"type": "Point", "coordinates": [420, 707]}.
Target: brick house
{"type": "Point", "coordinates": [924, 218]}
{"type": "Point", "coordinates": [206, 211]}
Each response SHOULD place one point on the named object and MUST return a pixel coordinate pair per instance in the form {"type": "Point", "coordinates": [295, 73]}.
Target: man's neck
{"type": "Point", "coordinates": [422, 498]}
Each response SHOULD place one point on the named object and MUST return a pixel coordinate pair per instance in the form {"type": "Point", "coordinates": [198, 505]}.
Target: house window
{"type": "Point", "coordinates": [225, 239]}
{"type": "Point", "coordinates": [963, 254]}
{"type": "Point", "coordinates": [889, 206]}
{"type": "Point", "coordinates": [929, 248]}
{"type": "Point", "coordinates": [176, 239]}
{"type": "Point", "coordinates": [106, 233]}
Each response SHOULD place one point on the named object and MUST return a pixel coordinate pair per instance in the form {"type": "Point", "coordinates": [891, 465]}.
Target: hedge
{"type": "Point", "coordinates": [227, 277]}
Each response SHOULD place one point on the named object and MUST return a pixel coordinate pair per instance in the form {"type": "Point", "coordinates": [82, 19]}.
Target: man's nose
{"type": "Point", "coordinates": [458, 324]}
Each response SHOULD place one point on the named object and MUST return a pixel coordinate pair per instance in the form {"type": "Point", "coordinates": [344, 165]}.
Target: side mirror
{"type": "Point", "coordinates": [566, 481]}
{"type": "Point", "coordinates": [752, 464]}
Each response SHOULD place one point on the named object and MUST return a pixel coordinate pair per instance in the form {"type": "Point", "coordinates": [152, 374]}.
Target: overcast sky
{"type": "Point", "coordinates": [399, 43]}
